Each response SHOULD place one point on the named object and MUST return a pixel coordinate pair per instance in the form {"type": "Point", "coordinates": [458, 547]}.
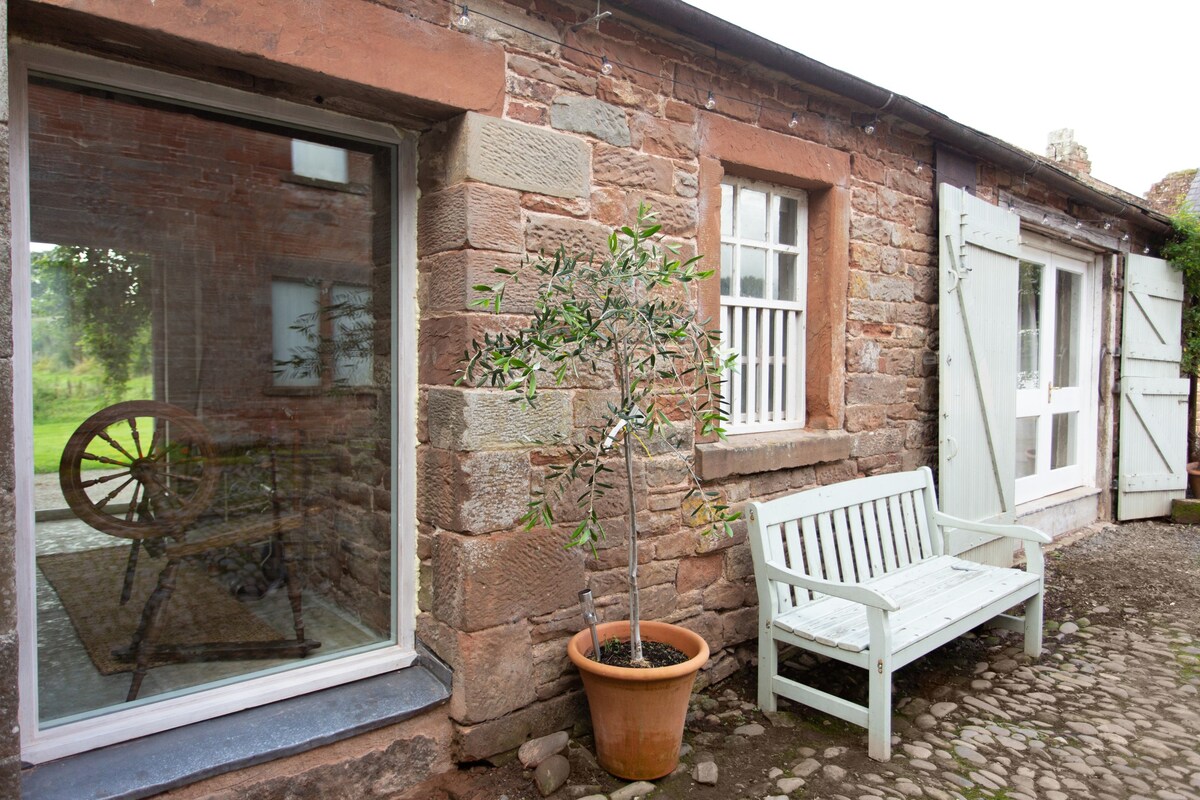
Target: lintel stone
{"type": "Point", "coordinates": [518, 156]}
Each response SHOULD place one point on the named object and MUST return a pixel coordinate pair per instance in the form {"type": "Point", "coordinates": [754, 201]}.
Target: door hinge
{"type": "Point", "coordinates": [879, 666]}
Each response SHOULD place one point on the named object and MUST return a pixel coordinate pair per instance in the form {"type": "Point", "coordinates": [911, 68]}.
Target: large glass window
{"type": "Point", "coordinates": [213, 436]}
{"type": "Point", "coordinates": [763, 282]}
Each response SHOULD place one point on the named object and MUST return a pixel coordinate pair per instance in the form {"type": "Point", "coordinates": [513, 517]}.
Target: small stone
{"type": "Point", "coordinates": [1100, 610]}
{"type": "Point", "coordinates": [594, 797]}
{"type": "Point", "coordinates": [551, 774]}
{"type": "Point", "coordinates": [970, 754]}
{"type": "Point", "coordinates": [753, 729]}
{"type": "Point", "coordinates": [774, 773]}
{"type": "Point", "coordinates": [940, 710]}
{"type": "Point", "coordinates": [789, 785]}
{"type": "Point", "coordinates": [833, 772]}
{"type": "Point", "coordinates": [632, 790]}
{"type": "Point", "coordinates": [535, 751]}
{"type": "Point", "coordinates": [1083, 727]}
{"type": "Point", "coordinates": [806, 767]}
{"type": "Point", "coordinates": [1083, 622]}
{"type": "Point", "coordinates": [833, 752]}
{"type": "Point", "coordinates": [705, 772]}
{"type": "Point", "coordinates": [685, 750]}
{"type": "Point", "coordinates": [1068, 628]}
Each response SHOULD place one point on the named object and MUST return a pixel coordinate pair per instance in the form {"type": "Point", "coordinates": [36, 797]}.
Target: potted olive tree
{"type": "Point", "coordinates": [628, 316]}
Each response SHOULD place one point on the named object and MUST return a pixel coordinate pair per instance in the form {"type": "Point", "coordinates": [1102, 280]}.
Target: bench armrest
{"type": "Point", "coordinates": [1012, 531]}
{"type": "Point", "coordinates": [1030, 538]}
{"type": "Point", "coordinates": [855, 593]}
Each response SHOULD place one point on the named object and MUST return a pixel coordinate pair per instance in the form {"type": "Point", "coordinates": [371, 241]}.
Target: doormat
{"type": "Point", "coordinates": [88, 584]}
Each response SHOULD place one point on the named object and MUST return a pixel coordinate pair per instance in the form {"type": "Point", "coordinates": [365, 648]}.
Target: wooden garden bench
{"type": "Point", "coordinates": [858, 572]}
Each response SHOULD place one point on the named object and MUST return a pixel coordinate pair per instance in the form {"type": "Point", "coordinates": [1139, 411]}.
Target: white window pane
{"type": "Point", "coordinates": [1063, 449]}
{"type": "Point", "coordinates": [295, 333]}
{"type": "Point", "coordinates": [1067, 301]}
{"type": "Point", "coordinates": [353, 335]}
{"type": "Point", "coordinates": [752, 215]}
{"type": "Point", "coordinates": [1029, 326]}
{"type": "Point", "coordinates": [726, 210]}
{"type": "Point", "coordinates": [785, 276]}
{"type": "Point", "coordinates": [753, 276]}
{"type": "Point", "coordinates": [1026, 446]}
{"type": "Point", "coordinates": [788, 231]}
{"type": "Point", "coordinates": [319, 161]}
{"type": "Point", "coordinates": [726, 268]}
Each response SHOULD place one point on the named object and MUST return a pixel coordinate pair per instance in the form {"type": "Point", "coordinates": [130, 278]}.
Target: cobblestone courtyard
{"type": "Point", "coordinates": [1110, 711]}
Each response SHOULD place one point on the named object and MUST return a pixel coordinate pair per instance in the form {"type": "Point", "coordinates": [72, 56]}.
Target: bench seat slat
{"type": "Point", "coordinates": [921, 591]}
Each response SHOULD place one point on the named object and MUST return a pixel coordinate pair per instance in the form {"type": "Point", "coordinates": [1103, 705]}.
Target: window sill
{"type": "Point", "coordinates": [321, 183]}
{"type": "Point", "coordinates": [749, 453]}
{"type": "Point", "coordinates": [175, 758]}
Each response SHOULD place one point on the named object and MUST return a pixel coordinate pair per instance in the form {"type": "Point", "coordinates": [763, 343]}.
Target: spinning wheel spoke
{"type": "Point", "coordinates": [137, 440]}
{"type": "Point", "coordinates": [103, 479]}
{"type": "Point", "coordinates": [133, 503]}
{"type": "Point", "coordinates": [156, 441]}
{"type": "Point", "coordinates": [113, 494]}
{"type": "Point", "coordinates": [106, 460]}
{"type": "Point", "coordinates": [115, 445]}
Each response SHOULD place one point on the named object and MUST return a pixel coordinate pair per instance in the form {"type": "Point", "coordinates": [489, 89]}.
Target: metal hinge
{"type": "Point", "coordinates": [879, 666]}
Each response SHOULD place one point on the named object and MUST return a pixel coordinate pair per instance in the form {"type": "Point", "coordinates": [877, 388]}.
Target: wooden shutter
{"type": "Point", "coordinates": [1152, 450]}
{"type": "Point", "coordinates": [979, 251]}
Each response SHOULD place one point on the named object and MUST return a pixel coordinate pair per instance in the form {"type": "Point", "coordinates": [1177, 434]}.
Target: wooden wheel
{"type": "Point", "coordinates": [160, 470]}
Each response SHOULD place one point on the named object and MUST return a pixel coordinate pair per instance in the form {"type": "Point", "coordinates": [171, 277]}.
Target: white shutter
{"type": "Point", "coordinates": [1152, 455]}
{"type": "Point", "coordinates": [979, 252]}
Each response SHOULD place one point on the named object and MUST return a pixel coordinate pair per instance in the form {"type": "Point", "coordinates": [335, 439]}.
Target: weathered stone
{"type": "Point", "coordinates": [806, 767]}
{"type": "Point", "coordinates": [619, 167]}
{"type": "Point", "coordinates": [1068, 628]}
{"type": "Point", "coordinates": [753, 453]}
{"type": "Point", "coordinates": [535, 751]}
{"type": "Point", "coordinates": [551, 774]}
{"type": "Point", "coordinates": [789, 785]}
{"type": "Point", "coordinates": [481, 419]}
{"type": "Point", "coordinates": [446, 281]}
{"type": "Point", "coordinates": [491, 672]}
{"type": "Point", "coordinates": [705, 772]}
{"type": "Point", "coordinates": [632, 791]}
{"type": "Point", "coordinates": [470, 215]}
{"type": "Point", "coordinates": [698, 572]}
{"type": "Point", "coordinates": [546, 233]}
{"type": "Point", "coordinates": [475, 492]}
{"type": "Point", "coordinates": [477, 742]}
{"type": "Point", "coordinates": [517, 156]}
{"type": "Point", "coordinates": [481, 582]}
{"type": "Point", "coordinates": [590, 116]}
{"type": "Point", "coordinates": [753, 729]}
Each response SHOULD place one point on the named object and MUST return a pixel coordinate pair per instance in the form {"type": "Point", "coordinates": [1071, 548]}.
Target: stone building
{"type": "Point", "coordinates": [298, 201]}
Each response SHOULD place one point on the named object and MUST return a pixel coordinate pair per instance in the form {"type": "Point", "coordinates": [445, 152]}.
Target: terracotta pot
{"type": "Point", "coordinates": [1193, 470]}
{"type": "Point", "coordinates": [638, 714]}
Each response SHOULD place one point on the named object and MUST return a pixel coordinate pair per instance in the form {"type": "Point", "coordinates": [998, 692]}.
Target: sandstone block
{"type": "Point", "coordinates": [470, 215]}
{"type": "Point", "coordinates": [475, 742]}
{"type": "Point", "coordinates": [517, 156]}
{"type": "Point", "coordinates": [1185, 512]}
{"type": "Point", "coordinates": [475, 492]}
{"type": "Point", "coordinates": [591, 116]}
{"type": "Point", "coordinates": [874, 443]}
{"type": "Point", "coordinates": [616, 166]}
{"type": "Point", "coordinates": [875, 389]}
{"type": "Point", "coordinates": [491, 669]}
{"type": "Point", "coordinates": [484, 581]}
{"type": "Point", "coordinates": [552, 73]}
{"type": "Point", "coordinates": [446, 280]}
{"type": "Point", "coordinates": [444, 341]}
{"type": "Point", "coordinates": [699, 572]}
{"type": "Point", "coordinates": [546, 233]}
{"type": "Point", "coordinates": [478, 419]}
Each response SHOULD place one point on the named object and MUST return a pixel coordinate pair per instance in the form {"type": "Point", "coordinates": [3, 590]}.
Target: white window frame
{"type": "Point", "coordinates": [1054, 257]}
{"type": "Point", "coordinates": [774, 397]}
{"type": "Point", "coordinates": [76, 735]}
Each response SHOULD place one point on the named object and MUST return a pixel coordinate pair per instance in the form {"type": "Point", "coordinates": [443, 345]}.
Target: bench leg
{"type": "Point", "coordinates": [879, 722]}
{"type": "Point", "coordinates": [768, 668]}
{"type": "Point", "coordinates": [1033, 626]}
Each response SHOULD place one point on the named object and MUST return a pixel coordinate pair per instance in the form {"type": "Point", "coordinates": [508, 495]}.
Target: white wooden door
{"type": "Point", "coordinates": [1152, 455]}
{"type": "Point", "coordinates": [1055, 443]}
{"type": "Point", "coordinates": [979, 252]}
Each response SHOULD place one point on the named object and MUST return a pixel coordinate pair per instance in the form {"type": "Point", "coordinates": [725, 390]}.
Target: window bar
{"type": "Point", "coordinates": [779, 396]}
{"type": "Point", "coordinates": [751, 366]}
{"type": "Point", "coordinates": [795, 403]}
{"type": "Point", "coordinates": [764, 365]}
{"type": "Point", "coordinates": [735, 378]}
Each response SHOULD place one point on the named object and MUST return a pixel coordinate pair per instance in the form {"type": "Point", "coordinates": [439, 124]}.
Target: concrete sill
{"type": "Point", "coordinates": [168, 760]}
{"type": "Point", "coordinates": [764, 452]}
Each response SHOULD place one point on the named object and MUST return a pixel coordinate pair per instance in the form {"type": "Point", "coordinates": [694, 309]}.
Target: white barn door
{"type": "Point", "coordinates": [978, 264]}
{"type": "Point", "coordinates": [1152, 455]}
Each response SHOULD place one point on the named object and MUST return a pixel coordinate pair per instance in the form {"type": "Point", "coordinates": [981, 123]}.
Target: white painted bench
{"type": "Point", "coordinates": [857, 572]}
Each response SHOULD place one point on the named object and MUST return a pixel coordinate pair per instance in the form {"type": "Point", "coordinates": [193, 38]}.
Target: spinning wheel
{"type": "Point", "coordinates": [164, 470]}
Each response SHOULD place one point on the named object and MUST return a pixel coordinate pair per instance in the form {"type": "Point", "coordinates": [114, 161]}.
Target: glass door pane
{"type": "Point", "coordinates": [1029, 326]}
{"type": "Point", "coordinates": [1068, 295]}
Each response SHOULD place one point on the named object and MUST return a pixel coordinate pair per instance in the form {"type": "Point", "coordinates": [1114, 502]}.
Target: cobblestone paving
{"type": "Point", "coordinates": [1108, 712]}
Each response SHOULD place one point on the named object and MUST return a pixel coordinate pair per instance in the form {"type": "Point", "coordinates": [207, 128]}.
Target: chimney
{"type": "Point", "coordinates": [1062, 148]}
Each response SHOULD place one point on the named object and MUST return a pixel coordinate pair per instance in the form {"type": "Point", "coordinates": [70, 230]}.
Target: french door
{"type": "Point", "coordinates": [1055, 374]}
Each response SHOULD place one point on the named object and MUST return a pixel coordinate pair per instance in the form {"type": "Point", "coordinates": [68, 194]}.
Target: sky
{"type": "Point", "coordinates": [1125, 76]}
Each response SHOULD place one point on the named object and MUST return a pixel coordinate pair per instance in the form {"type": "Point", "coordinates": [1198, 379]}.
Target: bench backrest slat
{"type": "Point", "coordinates": [848, 532]}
